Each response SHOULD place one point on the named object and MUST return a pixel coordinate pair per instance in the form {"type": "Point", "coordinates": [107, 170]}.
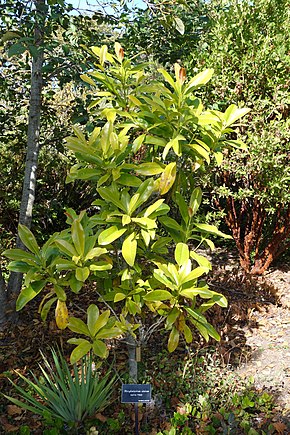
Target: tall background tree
{"type": "Point", "coordinates": [41, 65]}
{"type": "Point", "coordinates": [248, 46]}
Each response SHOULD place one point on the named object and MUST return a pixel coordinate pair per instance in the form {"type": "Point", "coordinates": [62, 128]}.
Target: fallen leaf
{"type": "Point", "coordinates": [101, 417]}
{"type": "Point", "coordinates": [14, 410]}
{"type": "Point", "coordinates": [280, 428]}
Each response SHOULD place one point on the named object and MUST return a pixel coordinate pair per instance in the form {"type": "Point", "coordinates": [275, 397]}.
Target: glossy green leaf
{"type": "Point", "coordinates": [200, 79]}
{"type": "Point", "coordinates": [46, 307]}
{"type": "Point", "coordinates": [171, 223]}
{"type": "Point", "coordinates": [167, 77]}
{"type": "Point", "coordinates": [152, 208]}
{"type": "Point", "coordinates": [195, 201]}
{"type": "Point", "coordinates": [63, 264]}
{"type": "Point", "coordinates": [129, 180]}
{"type": "Point", "coordinates": [157, 295]}
{"type": "Point", "coordinates": [100, 322]}
{"type": "Point", "coordinates": [172, 316]}
{"type": "Point", "coordinates": [81, 350]}
{"type": "Point", "coordinates": [212, 229]}
{"type": "Point", "coordinates": [78, 237]}
{"type": "Point", "coordinates": [173, 339]}
{"type": "Point", "coordinates": [19, 266]}
{"type": "Point", "coordinates": [100, 349]}
{"type": "Point", "coordinates": [119, 297]}
{"type": "Point", "coordinates": [75, 285]}
{"type": "Point", "coordinates": [78, 326]}
{"type": "Point", "coordinates": [145, 222]}
{"type": "Point", "coordinates": [82, 273]}
{"type": "Point", "coordinates": [28, 293]}
{"type": "Point", "coordinates": [194, 274]}
{"type": "Point", "coordinates": [109, 235]}
{"type": "Point", "coordinates": [20, 255]}
{"type": "Point", "coordinates": [93, 314]}
{"type": "Point", "coordinates": [101, 265]}
{"type": "Point", "coordinates": [28, 239]}
{"type": "Point", "coordinates": [95, 252]}
{"type": "Point", "coordinates": [88, 79]}
{"type": "Point", "coordinates": [201, 260]}
{"type": "Point", "coordinates": [187, 334]}
{"type": "Point", "coordinates": [233, 113]}
{"type": "Point", "coordinates": [66, 247]}
{"type": "Point", "coordinates": [60, 293]}
{"type": "Point", "coordinates": [129, 249]}
{"type": "Point", "coordinates": [201, 151]}
{"type": "Point", "coordinates": [183, 207]}
{"type": "Point", "coordinates": [191, 293]}
{"type": "Point", "coordinates": [181, 254]}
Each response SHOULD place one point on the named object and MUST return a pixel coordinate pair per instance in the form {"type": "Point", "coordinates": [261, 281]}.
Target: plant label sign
{"type": "Point", "coordinates": [136, 393]}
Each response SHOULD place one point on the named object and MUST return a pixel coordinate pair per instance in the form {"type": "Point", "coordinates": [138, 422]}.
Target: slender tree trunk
{"type": "Point", "coordinates": [133, 365]}
{"type": "Point", "coordinates": [3, 300]}
{"type": "Point", "coordinates": [33, 130]}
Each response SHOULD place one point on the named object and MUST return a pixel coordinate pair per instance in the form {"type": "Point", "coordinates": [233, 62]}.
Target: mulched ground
{"type": "Point", "coordinates": [255, 331]}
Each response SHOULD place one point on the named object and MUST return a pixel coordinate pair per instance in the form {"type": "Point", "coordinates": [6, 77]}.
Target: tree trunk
{"type": "Point", "coordinates": [33, 129]}
{"type": "Point", "coordinates": [133, 365]}
{"type": "Point", "coordinates": [3, 300]}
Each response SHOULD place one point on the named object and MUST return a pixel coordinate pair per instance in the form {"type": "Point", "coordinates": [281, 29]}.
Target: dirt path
{"type": "Point", "coordinates": [262, 310]}
{"type": "Point", "coordinates": [269, 341]}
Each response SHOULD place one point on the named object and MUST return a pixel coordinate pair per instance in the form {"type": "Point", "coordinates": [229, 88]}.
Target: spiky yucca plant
{"type": "Point", "coordinates": [64, 394]}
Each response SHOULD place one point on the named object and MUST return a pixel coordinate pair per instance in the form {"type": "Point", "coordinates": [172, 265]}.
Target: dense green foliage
{"type": "Point", "coordinates": [248, 46]}
{"type": "Point", "coordinates": [144, 142]}
{"type": "Point", "coordinates": [153, 137]}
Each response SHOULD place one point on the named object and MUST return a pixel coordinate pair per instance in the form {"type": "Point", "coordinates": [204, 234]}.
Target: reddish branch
{"type": "Point", "coordinates": [247, 220]}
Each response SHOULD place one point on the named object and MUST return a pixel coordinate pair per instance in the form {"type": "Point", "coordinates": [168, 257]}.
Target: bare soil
{"type": "Point", "coordinates": [260, 307]}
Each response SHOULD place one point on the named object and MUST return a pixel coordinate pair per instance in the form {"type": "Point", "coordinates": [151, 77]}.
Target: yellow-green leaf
{"type": "Point", "coordinates": [28, 239]}
{"type": "Point", "coordinates": [187, 334]}
{"type": "Point", "coordinates": [129, 249]}
{"type": "Point", "coordinates": [100, 349]}
{"type": "Point", "coordinates": [173, 339]}
{"type": "Point", "coordinates": [119, 297]}
{"type": "Point", "coordinates": [181, 254]}
{"type": "Point", "coordinates": [82, 273]}
{"type": "Point", "coordinates": [99, 323]}
{"type": "Point", "coordinates": [157, 295]}
{"type": "Point", "coordinates": [93, 314]}
{"type": "Point", "coordinates": [110, 235]}
{"type": "Point", "coordinates": [81, 350]}
{"type": "Point", "coordinates": [78, 326]}
{"type": "Point", "coordinates": [150, 168]}
{"type": "Point", "coordinates": [200, 79]}
{"type": "Point", "coordinates": [61, 314]}
{"type": "Point", "coordinates": [233, 113]}
{"type": "Point", "coordinates": [167, 178]}
{"type": "Point", "coordinates": [78, 236]}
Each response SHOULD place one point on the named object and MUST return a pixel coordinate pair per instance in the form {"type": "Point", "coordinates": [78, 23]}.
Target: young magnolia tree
{"type": "Point", "coordinates": [137, 246]}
